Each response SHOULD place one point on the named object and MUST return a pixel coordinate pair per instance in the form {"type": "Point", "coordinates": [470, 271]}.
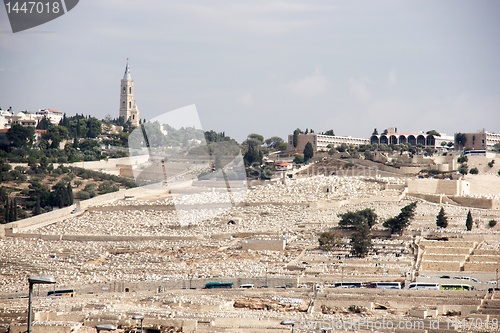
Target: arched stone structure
{"type": "Point", "coordinates": [374, 140]}
{"type": "Point", "coordinates": [412, 141]}
{"type": "Point", "coordinates": [430, 140]}
{"type": "Point", "coordinates": [384, 140]}
{"type": "Point", "coordinates": [421, 140]}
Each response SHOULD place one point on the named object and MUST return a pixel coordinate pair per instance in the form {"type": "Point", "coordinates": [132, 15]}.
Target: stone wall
{"type": "Point", "coordinates": [444, 257]}
{"type": "Point", "coordinates": [477, 202]}
{"type": "Point", "coordinates": [485, 258]}
{"type": "Point", "coordinates": [481, 266]}
{"type": "Point", "coordinates": [439, 186]}
{"type": "Point", "coordinates": [440, 266]}
{"type": "Point", "coordinates": [461, 243]}
{"type": "Point", "coordinates": [263, 244]}
{"type": "Point", "coordinates": [448, 250]}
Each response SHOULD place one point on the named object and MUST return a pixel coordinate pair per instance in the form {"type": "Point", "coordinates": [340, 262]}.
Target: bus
{"type": "Point", "coordinates": [423, 286]}
{"type": "Point", "coordinates": [385, 285]}
{"type": "Point", "coordinates": [457, 286]}
{"type": "Point", "coordinates": [348, 285]}
{"type": "Point", "coordinates": [475, 153]}
{"type": "Point", "coordinates": [62, 292]}
{"type": "Point", "coordinates": [218, 285]}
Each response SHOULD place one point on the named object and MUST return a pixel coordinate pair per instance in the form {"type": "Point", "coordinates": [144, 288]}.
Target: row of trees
{"type": "Point", "coordinates": [442, 220]}
{"type": "Point", "coordinates": [360, 224]}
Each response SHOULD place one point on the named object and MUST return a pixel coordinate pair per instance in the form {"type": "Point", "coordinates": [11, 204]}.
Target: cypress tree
{"type": "Point", "coordinates": [6, 211]}
{"type": "Point", "coordinates": [37, 210]}
{"type": "Point", "coordinates": [441, 219]}
{"type": "Point", "coordinates": [11, 211]}
{"type": "Point", "coordinates": [69, 189]}
{"type": "Point", "coordinates": [468, 222]}
{"type": "Point", "coordinates": [14, 208]}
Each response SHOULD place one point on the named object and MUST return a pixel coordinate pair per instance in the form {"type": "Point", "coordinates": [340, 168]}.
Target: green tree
{"type": "Point", "coordinates": [253, 155]}
{"type": "Point", "coordinates": [361, 241]}
{"type": "Point", "coordinates": [468, 221]}
{"type": "Point", "coordinates": [492, 223]}
{"type": "Point", "coordinates": [308, 152]}
{"type": "Point", "coordinates": [298, 159]}
{"type": "Point", "coordinates": [356, 219]}
{"type": "Point", "coordinates": [94, 127]}
{"type": "Point", "coordinates": [44, 124]}
{"type": "Point", "coordinates": [362, 222]}
{"type": "Point", "coordinates": [274, 142]}
{"type": "Point", "coordinates": [398, 223]}
{"type": "Point", "coordinates": [433, 132]}
{"type": "Point", "coordinates": [257, 137]}
{"type": "Point", "coordinates": [295, 138]}
{"type": "Point", "coordinates": [330, 240]}
{"type": "Point", "coordinates": [55, 135]}
{"type": "Point", "coordinates": [460, 139]}
{"type": "Point", "coordinates": [474, 171]}
{"type": "Point", "coordinates": [463, 169]}
{"type": "Point", "coordinates": [20, 136]}
{"type": "Point", "coordinates": [59, 195]}
{"type": "Point", "coordinates": [69, 191]}
{"type": "Point", "coordinates": [330, 132]}
{"type": "Point", "coordinates": [441, 219]}
{"type": "Point", "coordinates": [37, 210]}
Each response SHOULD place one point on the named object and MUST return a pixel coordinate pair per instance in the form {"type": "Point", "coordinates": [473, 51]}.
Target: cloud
{"type": "Point", "coordinates": [269, 17]}
{"type": "Point", "coordinates": [392, 77]}
{"type": "Point", "coordinates": [359, 89]}
{"type": "Point", "coordinates": [309, 86]}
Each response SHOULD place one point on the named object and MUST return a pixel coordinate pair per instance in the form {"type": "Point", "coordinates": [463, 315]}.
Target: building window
{"type": "Point", "coordinates": [129, 105]}
{"type": "Point", "coordinates": [123, 103]}
{"type": "Point", "coordinates": [130, 90]}
{"type": "Point", "coordinates": [124, 90]}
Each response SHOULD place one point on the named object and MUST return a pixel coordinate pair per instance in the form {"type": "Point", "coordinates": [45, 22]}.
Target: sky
{"type": "Point", "coordinates": [267, 67]}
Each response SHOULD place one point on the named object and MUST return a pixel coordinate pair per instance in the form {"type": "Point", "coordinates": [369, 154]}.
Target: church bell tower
{"type": "Point", "coordinates": [128, 108]}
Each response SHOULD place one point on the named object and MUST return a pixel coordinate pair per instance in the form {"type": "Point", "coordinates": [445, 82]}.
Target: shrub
{"type": "Point", "coordinates": [474, 171]}
{"type": "Point", "coordinates": [463, 169]}
{"type": "Point", "coordinates": [463, 159]}
{"type": "Point", "coordinates": [83, 195]}
{"type": "Point", "coordinates": [355, 309]}
{"type": "Point", "coordinates": [492, 223]}
{"type": "Point", "coordinates": [330, 240]}
{"type": "Point", "coordinates": [490, 164]}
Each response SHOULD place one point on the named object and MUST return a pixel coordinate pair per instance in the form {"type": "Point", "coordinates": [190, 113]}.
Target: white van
{"type": "Point", "coordinates": [247, 286]}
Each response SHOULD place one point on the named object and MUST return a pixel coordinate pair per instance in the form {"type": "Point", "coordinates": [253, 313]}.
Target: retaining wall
{"type": "Point", "coordinates": [438, 186]}
{"type": "Point", "coordinates": [481, 266]}
{"type": "Point", "coordinates": [440, 266]}
{"type": "Point", "coordinates": [443, 257]}
{"type": "Point", "coordinates": [485, 258]}
{"type": "Point", "coordinates": [430, 243]}
{"type": "Point", "coordinates": [263, 244]}
{"type": "Point", "coordinates": [448, 250]}
{"type": "Point", "coordinates": [477, 202]}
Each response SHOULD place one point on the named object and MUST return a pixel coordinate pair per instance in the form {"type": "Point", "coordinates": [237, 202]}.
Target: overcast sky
{"type": "Point", "coordinates": [267, 66]}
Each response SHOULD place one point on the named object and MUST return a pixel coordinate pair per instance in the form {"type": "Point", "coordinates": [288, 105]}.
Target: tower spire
{"type": "Point", "coordinates": [127, 76]}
